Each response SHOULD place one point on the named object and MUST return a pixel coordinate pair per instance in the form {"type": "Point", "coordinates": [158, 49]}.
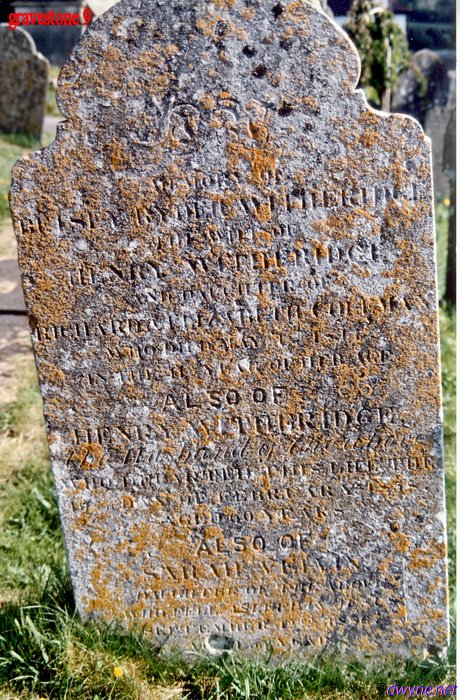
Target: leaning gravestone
{"type": "Point", "coordinates": [23, 83]}
{"type": "Point", "coordinates": [228, 264]}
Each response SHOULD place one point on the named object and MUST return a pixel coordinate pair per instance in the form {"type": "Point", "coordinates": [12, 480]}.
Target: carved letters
{"type": "Point", "coordinates": [228, 264]}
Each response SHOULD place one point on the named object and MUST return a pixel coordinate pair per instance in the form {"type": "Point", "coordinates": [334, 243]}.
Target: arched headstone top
{"type": "Point", "coordinates": [282, 54]}
{"type": "Point", "coordinates": [16, 40]}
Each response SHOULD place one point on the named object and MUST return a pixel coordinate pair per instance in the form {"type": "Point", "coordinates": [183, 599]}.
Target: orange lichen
{"type": "Point", "coordinates": [88, 456]}
{"type": "Point", "coordinates": [279, 377]}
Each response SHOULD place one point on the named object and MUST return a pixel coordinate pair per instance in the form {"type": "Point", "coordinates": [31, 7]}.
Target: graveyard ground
{"type": "Point", "coordinates": [45, 652]}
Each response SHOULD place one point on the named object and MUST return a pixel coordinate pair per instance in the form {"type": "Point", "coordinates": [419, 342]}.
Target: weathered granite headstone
{"type": "Point", "coordinates": [228, 264]}
{"type": "Point", "coordinates": [23, 83]}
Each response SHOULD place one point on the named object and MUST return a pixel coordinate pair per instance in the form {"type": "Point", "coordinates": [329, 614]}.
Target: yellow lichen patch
{"type": "Point", "coordinates": [88, 456]}
{"type": "Point", "coordinates": [369, 118]}
{"type": "Point", "coordinates": [398, 638]}
{"type": "Point", "coordinates": [248, 13]}
{"type": "Point", "coordinates": [258, 131]}
{"type": "Point", "coordinates": [346, 225]}
{"type": "Point", "coordinates": [361, 271]}
{"type": "Point", "coordinates": [207, 102]}
{"type": "Point", "coordinates": [119, 159]}
{"type": "Point", "coordinates": [172, 49]}
{"type": "Point", "coordinates": [401, 541]}
{"type": "Point", "coordinates": [96, 537]}
{"type": "Point", "coordinates": [264, 237]}
{"type": "Point", "coordinates": [215, 123]}
{"type": "Point", "coordinates": [155, 61]}
{"type": "Point", "coordinates": [427, 558]}
{"type": "Point", "coordinates": [402, 214]}
{"type": "Point", "coordinates": [51, 374]}
{"type": "Point", "coordinates": [397, 485]}
{"type": "Point", "coordinates": [131, 391]}
{"type": "Point", "coordinates": [263, 161]}
{"type": "Point", "coordinates": [208, 26]}
{"type": "Point", "coordinates": [223, 4]}
{"type": "Point", "coordinates": [352, 383]}
{"type": "Point", "coordinates": [434, 585]}
{"type": "Point", "coordinates": [372, 137]}
{"type": "Point", "coordinates": [320, 247]}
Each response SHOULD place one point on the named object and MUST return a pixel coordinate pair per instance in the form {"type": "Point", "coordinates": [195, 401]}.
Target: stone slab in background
{"type": "Point", "coordinates": [55, 42]}
{"type": "Point", "coordinates": [436, 126]}
{"type": "Point", "coordinates": [15, 345]}
{"type": "Point", "coordinates": [23, 83]}
{"type": "Point", "coordinates": [427, 91]}
{"type": "Point", "coordinates": [228, 265]}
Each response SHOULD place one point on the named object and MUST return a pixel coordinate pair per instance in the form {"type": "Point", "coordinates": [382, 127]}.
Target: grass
{"type": "Point", "coordinates": [12, 147]}
{"type": "Point", "coordinates": [442, 233]}
{"type": "Point", "coordinates": [52, 109]}
{"type": "Point", "coordinates": [46, 651]}
{"type": "Point", "coordinates": [447, 323]}
{"type": "Point", "coordinates": [447, 319]}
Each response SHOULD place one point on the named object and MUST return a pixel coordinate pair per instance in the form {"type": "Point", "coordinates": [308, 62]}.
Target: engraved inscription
{"type": "Point", "coordinates": [233, 310]}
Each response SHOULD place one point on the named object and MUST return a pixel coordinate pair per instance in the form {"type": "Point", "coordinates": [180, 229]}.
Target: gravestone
{"type": "Point", "coordinates": [426, 91]}
{"type": "Point", "coordinates": [23, 83]}
{"type": "Point", "coordinates": [423, 86]}
{"type": "Point", "coordinates": [228, 265]}
{"type": "Point", "coordinates": [436, 128]}
{"type": "Point", "coordinates": [55, 41]}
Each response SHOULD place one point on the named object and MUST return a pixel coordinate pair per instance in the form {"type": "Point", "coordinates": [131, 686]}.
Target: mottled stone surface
{"type": "Point", "coordinates": [23, 83]}
{"type": "Point", "coordinates": [228, 264]}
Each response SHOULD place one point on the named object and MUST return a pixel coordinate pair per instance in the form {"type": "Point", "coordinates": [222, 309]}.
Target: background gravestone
{"type": "Point", "coordinates": [427, 91]}
{"type": "Point", "coordinates": [423, 86]}
{"type": "Point", "coordinates": [228, 264]}
{"type": "Point", "coordinates": [450, 170]}
{"type": "Point", "coordinates": [53, 41]}
{"type": "Point", "coordinates": [23, 83]}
